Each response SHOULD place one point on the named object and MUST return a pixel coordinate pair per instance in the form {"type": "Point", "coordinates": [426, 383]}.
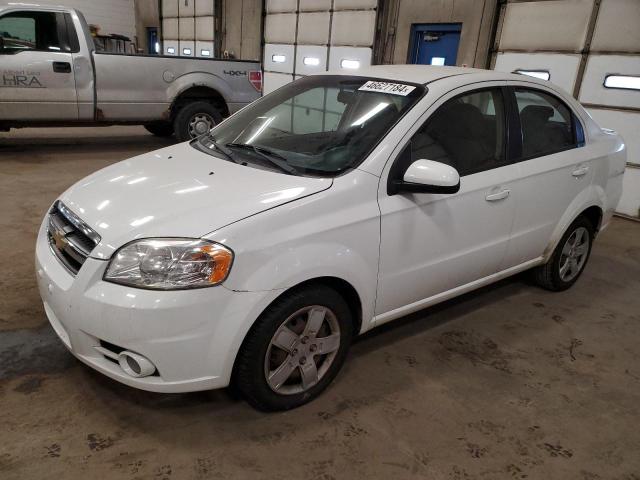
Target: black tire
{"type": "Point", "coordinates": [186, 114]}
{"type": "Point", "coordinates": [548, 276]}
{"type": "Point", "coordinates": [250, 376]}
{"type": "Point", "coordinates": [160, 129]}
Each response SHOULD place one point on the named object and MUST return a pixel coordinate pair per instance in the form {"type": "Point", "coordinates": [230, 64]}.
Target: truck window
{"type": "Point", "coordinates": [39, 31]}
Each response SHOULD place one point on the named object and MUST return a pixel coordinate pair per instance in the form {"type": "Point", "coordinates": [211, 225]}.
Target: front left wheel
{"type": "Point", "coordinates": [295, 349]}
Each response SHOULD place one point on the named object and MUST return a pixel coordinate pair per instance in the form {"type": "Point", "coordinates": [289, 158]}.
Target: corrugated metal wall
{"type": "Point", "coordinates": [579, 43]}
{"type": "Point", "coordinates": [303, 37]}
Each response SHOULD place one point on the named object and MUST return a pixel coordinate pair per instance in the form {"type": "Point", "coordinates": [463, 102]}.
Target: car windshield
{"type": "Point", "coordinates": [319, 125]}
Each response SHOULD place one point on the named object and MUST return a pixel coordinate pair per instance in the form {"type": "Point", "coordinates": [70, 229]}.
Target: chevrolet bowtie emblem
{"type": "Point", "coordinates": [59, 239]}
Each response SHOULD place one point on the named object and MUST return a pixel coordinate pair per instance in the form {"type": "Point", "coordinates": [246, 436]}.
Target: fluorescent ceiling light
{"type": "Point", "coordinates": [313, 61]}
{"type": "Point", "coordinates": [541, 74]}
{"type": "Point", "coordinates": [205, 53]}
{"type": "Point", "coordinates": [278, 58]}
{"type": "Point", "coordinates": [381, 106]}
{"type": "Point", "coordinates": [186, 51]}
{"type": "Point", "coordinates": [437, 61]}
{"type": "Point", "coordinates": [627, 82]}
{"type": "Point", "coordinates": [350, 63]}
{"type": "Point", "coordinates": [171, 50]}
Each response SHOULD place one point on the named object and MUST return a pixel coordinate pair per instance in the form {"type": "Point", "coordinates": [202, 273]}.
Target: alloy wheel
{"type": "Point", "coordinates": [302, 350]}
{"type": "Point", "coordinates": [574, 254]}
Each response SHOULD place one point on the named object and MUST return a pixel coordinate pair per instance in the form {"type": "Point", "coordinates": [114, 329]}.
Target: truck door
{"type": "Point", "coordinates": [36, 67]}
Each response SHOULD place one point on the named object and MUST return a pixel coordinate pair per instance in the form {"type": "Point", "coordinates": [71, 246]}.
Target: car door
{"type": "Point", "coordinates": [554, 169]}
{"type": "Point", "coordinates": [432, 244]}
{"type": "Point", "coordinates": [36, 67]}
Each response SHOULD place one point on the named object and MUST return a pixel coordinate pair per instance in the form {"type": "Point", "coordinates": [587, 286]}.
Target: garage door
{"type": "Point", "coordinates": [303, 37]}
{"type": "Point", "coordinates": [188, 28]}
{"type": "Point", "coordinates": [591, 49]}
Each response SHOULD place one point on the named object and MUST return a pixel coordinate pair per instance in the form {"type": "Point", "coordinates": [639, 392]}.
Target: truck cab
{"type": "Point", "coordinates": [52, 75]}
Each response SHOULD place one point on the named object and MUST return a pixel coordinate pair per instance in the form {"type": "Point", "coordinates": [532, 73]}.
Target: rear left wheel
{"type": "Point", "coordinates": [569, 258]}
{"type": "Point", "coordinates": [195, 119]}
{"type": "Point", "coordinates": [295, 350]}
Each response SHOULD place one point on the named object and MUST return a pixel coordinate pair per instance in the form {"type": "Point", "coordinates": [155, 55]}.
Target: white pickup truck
{"type": "Point", "coordinates": [52, 75]}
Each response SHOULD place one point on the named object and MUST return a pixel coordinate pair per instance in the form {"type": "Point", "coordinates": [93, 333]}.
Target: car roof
{"type": "Point", "coordinates": [424, 74]}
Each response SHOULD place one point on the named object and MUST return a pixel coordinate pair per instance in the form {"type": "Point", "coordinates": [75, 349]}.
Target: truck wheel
{"type": "Point", "coordinates": [195, 119]}
{"type": "Point", "coordinates": [569, 258]}
{"type": "Point", "coordinates": [295, 349]}
{"type": "Point", "coordinates": [160, 129]}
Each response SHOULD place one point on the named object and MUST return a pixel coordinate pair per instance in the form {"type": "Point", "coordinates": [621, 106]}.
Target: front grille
{"type": "Point", "coordinates": [70, 239]}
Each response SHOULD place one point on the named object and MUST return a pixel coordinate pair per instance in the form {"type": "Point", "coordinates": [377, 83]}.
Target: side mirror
{"type": "Point", "coordinates": [427, 176]}
{"type": "Point", "coordinates": [1, 44]}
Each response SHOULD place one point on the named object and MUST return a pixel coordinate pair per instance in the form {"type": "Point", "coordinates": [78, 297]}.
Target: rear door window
{"type": "Point", "coordinates": [547, 123]}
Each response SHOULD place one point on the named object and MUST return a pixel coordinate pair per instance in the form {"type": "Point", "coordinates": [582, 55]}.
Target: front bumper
{"type": "Point", "coordinates": [191, 336]}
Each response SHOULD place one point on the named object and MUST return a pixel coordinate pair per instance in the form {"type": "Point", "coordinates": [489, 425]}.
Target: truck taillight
{"type": "Point", "coordinates": [256, 80]}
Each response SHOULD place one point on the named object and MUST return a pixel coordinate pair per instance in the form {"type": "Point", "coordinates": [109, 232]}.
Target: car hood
{"type": "Point", "coordinates": [178, 192]}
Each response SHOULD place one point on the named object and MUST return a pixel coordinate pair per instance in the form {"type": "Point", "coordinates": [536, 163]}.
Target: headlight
{"type": "Point", "coordinates": [170, 264]}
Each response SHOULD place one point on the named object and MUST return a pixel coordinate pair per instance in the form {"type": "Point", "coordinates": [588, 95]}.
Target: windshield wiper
{"type": "Point", "coordinates": [270, 156]}
{"type": "Point", "coordinates": [210, 143]}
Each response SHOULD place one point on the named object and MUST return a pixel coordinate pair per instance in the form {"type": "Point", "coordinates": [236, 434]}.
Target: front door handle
{"type": "Point", "coordinates": [62, 67]}
{"type": "Point", "coordinates": [501, 195]}
{"type": "Point", "coordinates": [580, 171]}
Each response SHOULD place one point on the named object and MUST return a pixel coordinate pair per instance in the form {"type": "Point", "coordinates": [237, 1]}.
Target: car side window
{"type": "Point", "coordinates": [547, 123]}
{"type": "Point", "coordinates": [39, 31]}
{"type": "Point", "coordinates": [467, 132]}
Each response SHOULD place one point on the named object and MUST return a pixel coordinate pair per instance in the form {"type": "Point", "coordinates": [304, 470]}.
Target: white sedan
{"type": "Point", "coordinates": [255, 253]}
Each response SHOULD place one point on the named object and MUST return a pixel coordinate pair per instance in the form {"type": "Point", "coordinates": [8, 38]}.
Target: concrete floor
{"type": "Point", "coordinates": [507, 382]}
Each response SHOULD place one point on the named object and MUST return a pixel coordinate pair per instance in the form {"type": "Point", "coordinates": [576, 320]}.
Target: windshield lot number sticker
{"type": "Point", "coordinates": [385, 87]}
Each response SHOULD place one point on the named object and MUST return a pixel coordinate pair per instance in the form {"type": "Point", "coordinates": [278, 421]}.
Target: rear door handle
{"type": "Point", "coordinates": [580, 171]}
{"type": "Point", "coordinates": [501, 195]}
{"type": "Point", "coordinates": [62, 67]}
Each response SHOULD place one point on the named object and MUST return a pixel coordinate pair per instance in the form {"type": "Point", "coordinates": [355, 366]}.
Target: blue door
{"type": "Point", "coordinates": [435, 43]}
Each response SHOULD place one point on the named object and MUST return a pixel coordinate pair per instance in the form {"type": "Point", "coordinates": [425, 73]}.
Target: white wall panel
{"type": "Point", "coordinates": [276, 6]}
{"type": "Point", "coordinates": [186, 8]}
{"type": "Point", "coordinates": [311, 52]}
{"type": "Point", "coordinates": [563, 68]}
{"type": "Point", "coordinates": [279, 50]}
{"type": "Point", "coordinates": [205, 27]}
{"type": "Point", "coordinates": [169, 8]}
{"type": "Point", "coordinates": [204, 8]}
{"type": "Point", "coordinates": [187, 28]}
{"type": "Point", "coordinates": [354, 4]}
{"type": "Point", "coordinates": [187, 48]}
{"type": "Point", "coordinates": [618, 27]}
{"type": "Point", "coordinates": [353, 28]}
{"type": "Point", "coordinates": [598, 67]}
{"type": "Point", "coordinates": [546, 25]}
{"type": "Point", "coordinates": [204, 49]}
{"type": "Point", "coordinates": [313, 28]}
{"type": "Point", "coordinates": [273, 81]}
{"type": "Point", "coordinates": [315, 5]}
{"type": "Point", "coordinates": [630, 201]}
{"type": "Point", "coordinates": [170, 29]}
{"type": "Point", "coordinates": [280, 28]}
{"type": "Point", "coordinates": [171, 47]}
{"type": "Point", "coordinates": [338, 54]}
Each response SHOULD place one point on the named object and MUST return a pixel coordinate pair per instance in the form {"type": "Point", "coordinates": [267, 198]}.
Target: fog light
{"type": "Point", "coordinates": [135, 365]}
